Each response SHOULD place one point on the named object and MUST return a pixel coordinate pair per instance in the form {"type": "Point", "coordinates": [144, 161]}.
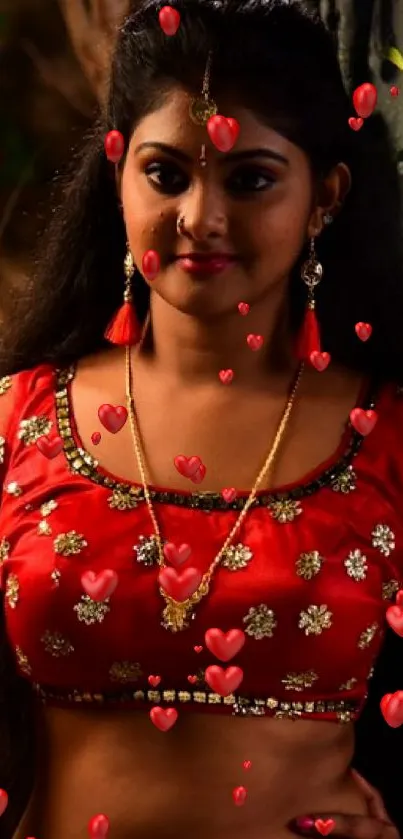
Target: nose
{"type": "Point", "coordinates": [204, 214]}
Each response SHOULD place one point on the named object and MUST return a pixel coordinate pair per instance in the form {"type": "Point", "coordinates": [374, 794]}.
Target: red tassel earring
{"type": "Point", "coordinates": [124, 329]}
{"type": "Point", "coordinates": [308, 340]}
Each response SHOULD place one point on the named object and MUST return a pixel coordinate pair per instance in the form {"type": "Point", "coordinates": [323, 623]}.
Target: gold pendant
{"type": "Point", "coordinates": [201, 110]}
{"type": "Point", "coordinates": [174, 616]}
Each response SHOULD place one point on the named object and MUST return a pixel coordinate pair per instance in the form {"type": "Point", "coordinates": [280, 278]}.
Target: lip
{"type": "Point", "coordinates": [206, 263]}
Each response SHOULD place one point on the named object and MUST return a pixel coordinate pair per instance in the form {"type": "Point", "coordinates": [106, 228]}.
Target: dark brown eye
{"type": "Point", "coordinates": [248, 179]}
{"type": "Point", "coordinates": [167, 177]}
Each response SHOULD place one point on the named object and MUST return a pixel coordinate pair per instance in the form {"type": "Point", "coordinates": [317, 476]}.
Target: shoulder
{"type": "Point", "coordinates": [16, 390]}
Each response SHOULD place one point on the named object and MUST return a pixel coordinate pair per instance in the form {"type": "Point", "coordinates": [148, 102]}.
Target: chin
{"type": "Point", "coordinates": [204, 299]}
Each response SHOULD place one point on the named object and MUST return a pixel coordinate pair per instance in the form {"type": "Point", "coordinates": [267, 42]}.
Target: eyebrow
{"type": "Point", "coordinates": [232, 157]}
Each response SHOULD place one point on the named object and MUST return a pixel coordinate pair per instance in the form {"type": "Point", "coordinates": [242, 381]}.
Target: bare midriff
{"type": "Point", "coordinates": [154, 785]}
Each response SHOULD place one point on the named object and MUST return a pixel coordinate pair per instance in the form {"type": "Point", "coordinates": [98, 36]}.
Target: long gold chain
{"type": "Point", "coordinates": [175, 615]}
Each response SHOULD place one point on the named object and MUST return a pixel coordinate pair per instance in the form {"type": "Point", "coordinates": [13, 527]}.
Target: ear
{"type": "Point", "coordinates": [331, 195]}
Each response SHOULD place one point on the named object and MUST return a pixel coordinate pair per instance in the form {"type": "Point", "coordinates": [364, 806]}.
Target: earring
{"type": "Point", "coordinates": [308, 340]}
{"type": "Point", "coordinates": [124, 329]}
{"type": "Point", "coordinates": [327, 219]}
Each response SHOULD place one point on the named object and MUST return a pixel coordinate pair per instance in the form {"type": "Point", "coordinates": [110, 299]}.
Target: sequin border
{"type": "Point", "coordinates": [239, 705]}
{"type": "Point", "coordinates": [83, 463]}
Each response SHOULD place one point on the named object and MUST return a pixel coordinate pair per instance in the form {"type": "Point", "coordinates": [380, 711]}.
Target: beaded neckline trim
{"type": "Point", "coordinates": [82, 462]}
{"type": "Point", "coordinates": [240, 706]}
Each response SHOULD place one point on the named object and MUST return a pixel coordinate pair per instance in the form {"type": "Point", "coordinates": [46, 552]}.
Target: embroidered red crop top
{"type": "Point", "coordinates": [308, 579]}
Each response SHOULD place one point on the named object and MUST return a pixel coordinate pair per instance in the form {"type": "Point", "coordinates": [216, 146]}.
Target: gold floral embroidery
{"type": "Point", "coordinates": [299, 681]}
{"type": "Point", "coordinates": [309, 564]}
{"type": "Point", "coordinates": [5, 548]}
{"type": "Point", "coordinates": [285, 510]}
{"type": "Point", "coordinates": [125, 671]}
{"type": "Point", "coordinates": [12, 590]}
{"type": "Point", "coordinates": [384, 539]}
{"type": "Point", "coordinates": [5, 384]}
{"type": "Point", "coordinates": [2, 450]}
{"type": "Point", "coordinates": [124, 499]}
{"type": "Point", "coordinates": [55, 576]}
{"type": "Point", "coordinates": [389, 589]}
{"type": "Point", "coordinates": [44, 528]}
{"type": "Point", "coordinates": [236, 557]}
{"type": "Point", "coordinates": [56, 645]}
{"type": "Point", "coordinates": [260, 622]}
{"type": "Point", "coordinates": [147, 550]}
{"type": "Point", "coordinates": [48, 507]}
{"type": "Point", "coordinates": [91, 611]}
{"type": "Point", "coordinates": [345, 482]}
{"type": "Point", "coordinates": [356, 565]}
{"type": "Point", "coordinates": [23, 662]}
{"type": "Point", "coordinates": [69, 544]}
{"type": "Point", "coordinates": [367, 636]}
{"type": "Point", "coordinates": [13, 489]}
{"type": "Point", "coordinates": [32, 429]}
{"type": "Point", "coordinates": [315, 619]}
{"type": "Point", "coordinates": [349, 684]}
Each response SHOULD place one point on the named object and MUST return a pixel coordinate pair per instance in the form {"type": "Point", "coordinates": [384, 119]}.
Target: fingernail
{"type": "Point", "coordinates": [304, 823]}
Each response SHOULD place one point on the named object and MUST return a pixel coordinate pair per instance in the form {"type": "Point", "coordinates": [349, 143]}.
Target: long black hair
{"type": "Point", "coordinates": [277, 59]}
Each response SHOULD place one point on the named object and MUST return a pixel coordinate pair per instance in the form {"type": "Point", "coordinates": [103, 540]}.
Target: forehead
{"type": "Point", "coordinates": [171, 124]}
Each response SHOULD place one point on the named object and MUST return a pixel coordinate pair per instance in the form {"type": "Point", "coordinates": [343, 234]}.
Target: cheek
{"type": "Point", "coordinates": [282, 230]}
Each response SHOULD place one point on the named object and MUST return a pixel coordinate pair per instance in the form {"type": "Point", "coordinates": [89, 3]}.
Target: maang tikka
{"type": "Point", "coordinates": [124, 329]}
{"type": "Point", "coordinates": [308, 340]}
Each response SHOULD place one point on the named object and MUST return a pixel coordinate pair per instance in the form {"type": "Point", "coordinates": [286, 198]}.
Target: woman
{"type": "Point", "coordinates": [149, 714]}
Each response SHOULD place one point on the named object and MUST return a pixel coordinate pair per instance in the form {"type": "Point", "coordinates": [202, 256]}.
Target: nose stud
{"type": "Point", "coordinates": [180, 224]}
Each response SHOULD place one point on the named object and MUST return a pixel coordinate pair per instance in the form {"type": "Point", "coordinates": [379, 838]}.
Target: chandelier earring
{"type": "Point", "coordinates": [308, 340]}
{"type": "Point", "coordinates": [124, 330]}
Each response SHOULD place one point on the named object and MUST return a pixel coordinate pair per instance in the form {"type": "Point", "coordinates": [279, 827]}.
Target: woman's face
{"type": "Point", "coordinates": [256, 203]}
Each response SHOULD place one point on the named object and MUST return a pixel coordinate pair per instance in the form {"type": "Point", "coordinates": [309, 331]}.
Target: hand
{"type": "Point", "coordinates": [376, 825]}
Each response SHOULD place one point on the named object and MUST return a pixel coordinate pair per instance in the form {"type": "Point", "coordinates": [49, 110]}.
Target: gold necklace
{"type": "Point", "coordinates": [176, 614]}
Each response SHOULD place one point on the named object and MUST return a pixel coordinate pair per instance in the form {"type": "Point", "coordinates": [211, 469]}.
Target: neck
{"type": "Point", "coordinates": [193, 352]}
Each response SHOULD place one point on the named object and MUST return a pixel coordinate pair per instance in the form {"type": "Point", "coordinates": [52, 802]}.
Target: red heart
{"type": "Point", "coordinates": [176, 556]}
{"type": "Point", "coordinates": [114, 146]}
{"type": "Point", "coordinates": [243, 308]}
{"type": "Point", "coordinates": [95, 438]}
{"type": "Point", "coordinates": [363, 421]}
{"type": "Point", "coordinates": [319, 360]}
{"type": "Point", "coordinates": [98, 827]}
{"type": "Point", "coordinates": [392, 708]}
{"type": "Point", "coordinates": [255, 342]}
{"type": "Point", "coordinates": [224, 645]}
{"type": "Point", "coordinates": [324, 826]}
{"type": "Point", "coordinates": [239, 795]}
{"type": "Point", "coordinates": [223, 132]}
{"type": "Point", "coordinates": [394, 91]}
{"type": "Point", "coordinates": [198, 477]}
{"type": "Point", "coordinates": [394, 617]}
{"type": "Point", "coordinates": [99, 586]}
{"type": "Point", "coordinates": [247, 764]}
{"type": "Point", "coordinates": [163, 718]}
{"type": "Point", "coordinates": [187, 466]}
{"type": "Point", "coordinates": [399, 598]}
{"type": "Point", "coordinates": [364, 99]}
{"type": "Point", "coordinates": [192, 679]}
{"type": "Point", "coordinates": [226, 376]}
{"type": "Point", "coordinates": [113, 419]}
{"type": "Point", "coordinates": [180, 586]}
{"type": "Point", "coordinates": [198, 648]}
{"type": "Point", "coordinates": [229, 494]}
{"type": "Point", "coordinates": [151, 265]}
{"type": "Point", "coordinates": [222, 681]}
{"type": "Point", "coordinates": [169, 19]}
{"type": "Point", "coordinates": [3, 801]}
{"type": "Point", "coordinates": [363, 330]}
{"type": "Point", "coordinates": [154, 681]}
{"type": "Point", "coordinates": [50, 447]}
{"type": "Point", "coordinates": [356, 123]}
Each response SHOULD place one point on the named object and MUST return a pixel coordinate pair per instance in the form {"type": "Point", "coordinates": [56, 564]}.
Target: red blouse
{"type": "Point", "coordinates": [308, 579]}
